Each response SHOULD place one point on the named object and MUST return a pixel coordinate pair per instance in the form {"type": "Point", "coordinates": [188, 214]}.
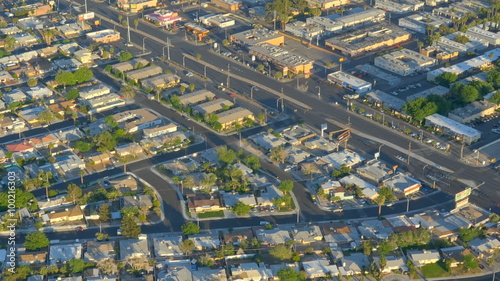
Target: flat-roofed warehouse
{"type": "Point", "coordinates": [143, 72]}
{"type": "Point", "coordinates": [404, 62]}
{"type": "Point", "coordinates": [234, 116]}
{"type": "Point", "coordinates": [196, 97]}
{"type": "Point", "coordinates": [161, 81]}
{"type": "Point", "coordinates": [258, 36]}
{"type": "Point", "coordinates": [129, 65]}
{"type": "Point", "coordinates": [212, 106]}
{"type": "Point", "coordinates": [368, 39]}
{"type": "Point", "coordinates": [283, 58]}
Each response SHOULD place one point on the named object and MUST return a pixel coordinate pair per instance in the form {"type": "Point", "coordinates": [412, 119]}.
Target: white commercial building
{"type": "Point", "coordinates": [420, 22]}
{"type": "Point", "coordinates": [453, 128]}
{"type": "Point", "coordinates": [404, 62]}
{"type": "Point", "coordinates": [399, 7]}
{"type": "Point", "coordinates": [302, 29]}
{"type": "Point", "coordinates": [349, 82]}
{"type": "Point", "coordinates": [489, 36]}
{"type": "Point", "coordinates": [217, 20]}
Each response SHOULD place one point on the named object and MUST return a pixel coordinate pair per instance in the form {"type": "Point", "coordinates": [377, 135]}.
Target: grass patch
{"type": "Point", "coordinates": [434, 270]}
{"type": "Point", "coordinates": [216, 214]}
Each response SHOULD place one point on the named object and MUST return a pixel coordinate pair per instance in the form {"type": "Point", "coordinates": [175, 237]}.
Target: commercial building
{"type": "Point", "coordinates": [212, 106]}
{"type": "Point", "coordinates": [473, 111]}
{"type": "Point", "coordinates": [230, 5]}
{"type": "Point", "coordinates": [328, 25]}
{"type": "Point", "coordinates": [369, 190]}
{"type": "Point", "coordinates": [283, 59]}
{"type": "Point", "coordinates": [195, 97]}
{"type": "Point", "coordinates": [362, 17]}
{"type": "Point", "coordinates": [349, 82]}
{"type": "Point", "coordinates": [342, 158]}
{"type": "Point", "coordinates": [386, 101]}
{"type": "Point", "coordinates": [163, 18]}
{"type": "Point", "coordinates": [104, 36]}
{"type": "Point", "coordinates": [420, 22]}
{"type": "Point", "coordinates": [399, 7]}
{"type": "Point", "coordinates": [93, 91]}
{"type": "Point", "coordinates": [303, 30]}
{"type": "Point", "coordinates": [129, 65]}
{"type": "Point", "coordinates": [327, 4]}
{"type": "Point", "coordinates": [402, 184]}
{"type": "Point", "coordinates": [220, 21]}
{"type": "Point", "coordinates": [199, 31]}
{"type": "Point", "coordinates": [161, 81]}
{"type": "Point", "coordinates": [467, 67]}
{"type": "Point", "coordinates": [136, 6]}
{"type": "Point", "coordinates": [234, 116]}
{"type": "Point", "coordinates": [135, 120]}
{"type": "Point", "coordinates": [452, 128]}
{"type": "Point", "coordinates": [368, 39]}
{"type": "Point", "coordinates": [437, 90]}
{"type": "Point", "coordinates": [257, 36]}
{"type": "Point", "coordinates": [489, 36]}
{"type": "Point", "coordinates": [104, 102]}
{"type": "Point", "coordinates": [449, 42]}
{"type": "Point", "coordinates": [145, 72]}
{"type": "Point", "coordinates": [375, 170]}
{"type": "Point", "coordinates": [404, 62]}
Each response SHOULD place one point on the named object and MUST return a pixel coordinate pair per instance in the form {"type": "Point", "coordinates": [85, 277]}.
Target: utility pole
{"type": "Point", "coordinates": [462, 149]}
{"type": "Point", "coordinates": [274, 20]}
{"type": "Point", "coordinates": [86, 6]}
{"type": "Point", "coordinates": [409, 153]}
{"type": "Point", "coordinates": [168, 49]}
{"type": "Point", "coordinates": [128, 30]}
{"type": "Point", "coordinates": [228, 81]}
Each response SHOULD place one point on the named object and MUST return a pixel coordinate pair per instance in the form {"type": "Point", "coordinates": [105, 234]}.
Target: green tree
{"type": "Point", "coordinates": [83, 74]}
{"type": "Point", "coordinates": [494, 78]}
{"type": "Point", "coordinates": [65, 78]}
{"type": "Point", "coordinates": [278, 75]}
{"type": "Point", "coordinates": [384, 195]}
{"type": "Point", "coordinates": [46, 116]}
{"type": "Point", "coordinates": [252, 161]}
{"type": "Point", "coordinates": [286, 186]}
{"type": "Point", "coordinates": [446, 79]}
{"type": "Point", "coordinates": [136, 23]}
{"type": "Point", "coordinates": [187, 246]}
{"type": "Point", "coordinates": [32, 82]}
{"type": "Point", "coordinates": [420, 108]}
{"type": "Point", "coordinates": [470, 262]}
{"type": "Point", "coordinates": [125, 56]}
{"type": "Point", "coordinates": [110, 121]}
{"type": "Point", "coordinates": [469, 94]}
{"type": "Point", "coordinates": [74, 192]}
{"type": "Point", "coordinates": [128, 91]}
{"type": "Point", "coordinates": [367, 247]}
{"type": "Point", "coordinates": [281, 252]}
{"type": "Point", "coordinates": [76, 265]}
{"type": "Point", "coordinates": [190, 228]}
{"type": "Point", "coordinates": [315, 12]}
{"type": "Point", "coordinates": [495, 98]}
{"type": "Point", "coordinates": [83, 146]}
{"type": "Point", "coordinates": [10, 42]}
{"type": "Point", "coordinates": [226, 155]}
{"type": "Point", "coordinates": [198, 56]}
{"type": "Point", "coordinates": [21, 272]}
{"type": "Point", "coordinates": [104, 213]}
{"type": "Point", "coordinates": [192, 87]}
{"type": "Point", "coordinates": [225, 42]}
{"type": "Point", "coordinates": [73, 93]}
{"type": "Point", "coordinates": [129, 227]}
{"type": "Point", "coordinates": [241, 209]}
{"type": "Point", "coordinates": [461, 39]}
{"type": "Point", "coordinates": [36, 240]}
{"type": "Point", "coordinates": [101, 236]}
{"type": "Point", "coordinates": [279, 154]}
{"type": "Point", "coordinates": [105, 141]}
{"type": "Point", "coordinates": [469, 234]}
{"type": "Point", "coordinates": [444, 105]}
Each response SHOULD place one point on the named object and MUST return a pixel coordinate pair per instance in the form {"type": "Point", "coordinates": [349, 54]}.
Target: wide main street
{"type": "Point", "coordinates": [321, 112]}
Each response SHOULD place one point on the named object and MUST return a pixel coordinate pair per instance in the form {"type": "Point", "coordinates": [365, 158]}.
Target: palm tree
{"type": "Point", "coordinates": [50, 146]}
{"type": "Point", "coordinates": [48, 35]}
{"type": "Point", "coordinates": [384, 195]}
{"type": "Point", "coordinates": [81, 173]}
{"type": "Point", "coordinates": [136, 23]}
{"type": "Point", "coordinates": [420, 45]}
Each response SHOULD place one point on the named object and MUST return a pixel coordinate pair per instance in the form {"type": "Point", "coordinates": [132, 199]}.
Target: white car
{"type": "Point", "coordinates": [189, 74]}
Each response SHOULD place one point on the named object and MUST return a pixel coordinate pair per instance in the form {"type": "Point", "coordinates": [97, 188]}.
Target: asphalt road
{"type": "Point", "coordinates": [321, 110]}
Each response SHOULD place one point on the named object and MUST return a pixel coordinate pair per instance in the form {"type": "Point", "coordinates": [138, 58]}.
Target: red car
{"type": "Point", "coordinates": [79, 229]}
{"type": "Point", "coordinates": [232, 95]}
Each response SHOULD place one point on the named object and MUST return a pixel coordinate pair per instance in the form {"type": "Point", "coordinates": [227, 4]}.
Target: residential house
{"type": "Point", "coordinates": [267, 141]}
{"type": "Point", "coordinates": [133, 149]}
{"type": "Point", "coordinates": [30, 258]}
{"type": "Point", "coordinates": [369, 190]}
{"type": "Point", "coordinates": [35, 278]}
{"type": "Point", "coordinates": [60, 108]}
{"type": "Point", "coordinates": [392, 264]}
{"type": "Point", "coordinates": [177, 272]}
{"type": "Point", "coordinates": [249, 272]}
{"type": "Point", "coordinates": [273, 237]}
{"type": "Point", "coordinates": [99, 158]}
{"type": "Point", "coordinates": [454, 254]}
{"type": "Point", "coordinates": [31, 115]}
{"type": "Point", "coordinates": [168, 246]}
{"type": "Point", "coordinates": [319, 268]}
{"type": "Point", "coordinates": [207, 273]}
{"type": "Point", "coordinates": [238, 235]}
{"type": "Point", "coordinates": [307, 235]}
{"type": "Point", "coordinates": [65, 215]}
{"type": "Point", "coordinates": [53, 203]}
{"type": "Point", "coordinates": [196, 97]}
{"type": "Point", "coordinates": [136, 120]}
{"type": "Point", "coordinates": [131, 249]}
{"type": "Point", "coordinates": [344, 157]}
{"type": "Point", "coordinates": [139, 201]}
{"type": "Point", "coordinates": [69, 162]}
{"type": "Point", "coordinates": [15, 95]}
{"type": "Point", "coordinates": [212, 106]}
{"type": "Point", "coordinates": [43, 141]}
{"type": "Point", "coordinates": [47, 51]}
{"type": "Point", "coordinates": [230, 199]}
{"type": "Point", "coordinates": [201, 203]}
{"type": "Point", "coordinates": [204, 242]}
{"type": "Point", "coordinates": [354, 264]}
{"type": "Point", "coordinates": [124, 184]}
{"type": "Point", "coordinates": [375, 229]}
{"type": "Point", "coordinates": [235, 116]}
{"type": "Point", "coordinates": [138, 74]}
{"type": "Point", "coordinates": [345, 236]}
{"type": "Point", "coordinates": [93, 91]}
{"type": "Point", "coordinates": [161, 81]}
{"type": "Point", "coordinates": [423, 257]}
{"type": "Point", "coordinates": [99, 251]}
{"type": "Point", "coordinates": [484, 247]}
{"type": "Point", "coordinates": [5, 77]}
{"type": "Point", "coordinates": [61, 253]}
{"type": "Point", "coordinates": [129, 65]}
{"type": "Point", "coordinates": [335, 189]}
{"type": "Point", "coordinates": [84, 56]}
{"type": "Point", "coordinates": [38, 92]}
{"type": "Point", "coordinates": [267, 193]}
{"type": "Point", "coordinates": [375, 170]}
{"type": "Point", "coordinates": [159, 130]}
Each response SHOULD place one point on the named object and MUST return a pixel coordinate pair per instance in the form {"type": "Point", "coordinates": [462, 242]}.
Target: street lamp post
{"type": "Point", "coordinates": [163, 50]}
{"type": "Point", "coordinates": [205, 70]}
{"type": "Point", "coordinates": [144, 45]}
{"type": "Point", "coordinates": [251, 91]}
{"type": "Point", "coordinates": [319, 91]}
{"type": "Point", "coordinates": [168, 48]}
{"type": "Point", "coordinates": [423, 169]}
{"type": "Point", "coordinates": [380, 147]}
{"type": "Point", "coordinates": [407, 204]}
{"type": "Point", "coordinates": [421, 136]}
{"type": "Point", "coordinates": [184, 60]}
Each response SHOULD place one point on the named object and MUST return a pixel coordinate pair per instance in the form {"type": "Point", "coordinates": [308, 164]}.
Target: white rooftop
{"type": "Point", "coordinates": [452, 125]}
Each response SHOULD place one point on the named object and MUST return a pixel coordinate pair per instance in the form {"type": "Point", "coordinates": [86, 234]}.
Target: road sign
{"type": "Point", "coordinates": [344, 135]}
{"type": "Point", "coordinates": [463, 194]}
{"type": "Point", "coordinates": [253, 58]}
{"type": "Point", "coordinates": [341, 59]}
{"type": "Point", "coordinates": [324, 126]}
{"type": "Point", "coordinates": [285, 70]}
{"type": "Point", "coordinates": [86, 16]}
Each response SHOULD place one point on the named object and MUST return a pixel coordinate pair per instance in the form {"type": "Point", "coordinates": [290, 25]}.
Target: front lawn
{"type": "Point", "coordinates": [217, 214]}
{"type": "Point", "coordinates": [434, 270]}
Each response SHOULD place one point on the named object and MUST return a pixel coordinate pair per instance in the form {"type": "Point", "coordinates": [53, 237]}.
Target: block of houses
{"type": "Point", "coordinates": [129, 65]}
{"type": "Point", "coordinates": [196, 97]}
{"type": "Point", "coordinates": [375, 170]}
{"type": "Point", "coordinates": [161, 81]}
{"type": "Point", "coordinates": [99, 251]}
{"type": "Point", "coordinates": [64, 252]}
{"type": "Point", "coordinates": [205, 241]}
{"type": "Point", "coordinates": [319, 268]}
{"type": "Point", "coordinates": [484, 247]}
{"type": "Point", "coordinates": [167, 246]}
{"type": "Point", "coordinates": [201, 203]}
{"type": "Point", "coordinates": [136, 120]}
{"type": "Point", "coordinates": [138, 74]}
{"type": "Point", "coordinates": [30, 258]}
{"type": "Point", "coordinates": [454, 254]}
{"type": "Point", "coordinates": [423, 257]}
{"type": "Point", "coordinates": [234, 116]}
{"type": "Point", "coordinates": [238, 235]}
{"type": "Point", "coordinates": [131, 249]}
{"type": "Point", "coordinates": [65, 215]}
{"type": "Point", "coordinates": [273, 237]}
{"type": "Point", "coordinates": [159, 130]}
{"type": "Point", "coordinates": [307, 235]}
